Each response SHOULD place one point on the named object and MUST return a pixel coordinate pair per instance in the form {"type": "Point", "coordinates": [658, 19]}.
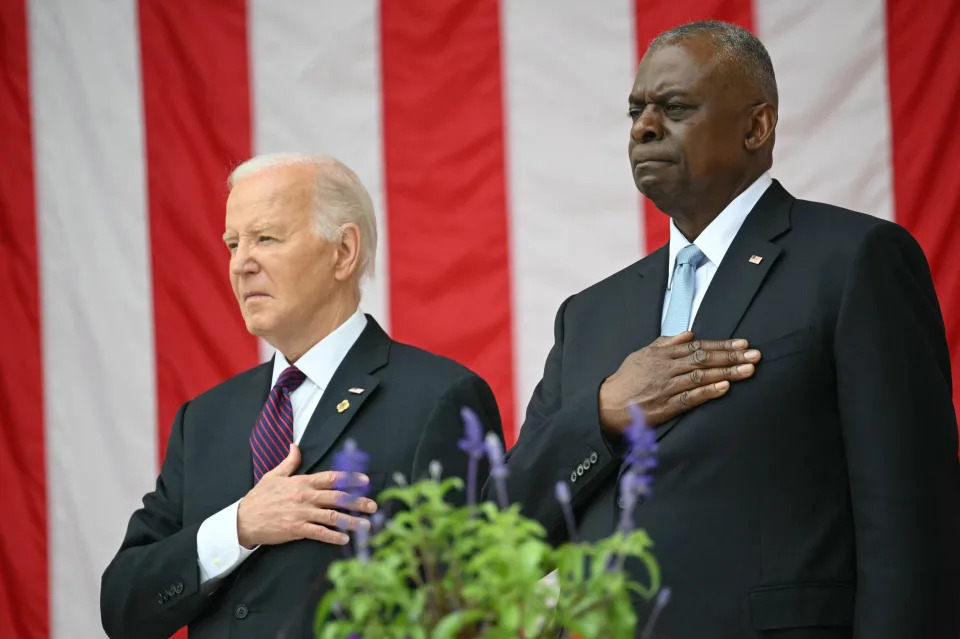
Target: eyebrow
{"type": "Point", "coordinates": [264, 227]}
{"type": "Point", "coordinates": [663, 97]}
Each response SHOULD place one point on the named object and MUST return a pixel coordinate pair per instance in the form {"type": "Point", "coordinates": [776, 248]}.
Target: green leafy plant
{"type": "Point", "coordinates": [436, 571]}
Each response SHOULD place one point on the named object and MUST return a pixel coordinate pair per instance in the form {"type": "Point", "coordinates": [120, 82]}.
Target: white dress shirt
{"type": "Point", "coordinates": [218, 550]}
{"type": "Point", "coordinates": [713, 242]}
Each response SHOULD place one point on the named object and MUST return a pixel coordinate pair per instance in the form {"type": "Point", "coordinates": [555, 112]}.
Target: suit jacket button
{"type": "Point", "coordinates": [580, 469]}
{"type": "Point", "coordinates": [179, 587]}
{"type": "Point", "coordinates": [593, 457]}
{"type": "Point", "coordinates": [586, 464]}
{"type": "Point", "coordinates": [573, 476]}
{"type": "Point", "coordinates": [160, 597]}
{"type": "Point", "coordinates": [240, 612]}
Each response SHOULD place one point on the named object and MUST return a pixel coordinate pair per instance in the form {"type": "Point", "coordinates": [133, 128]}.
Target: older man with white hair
{"type": "Point", "coordinates": [245, 518]}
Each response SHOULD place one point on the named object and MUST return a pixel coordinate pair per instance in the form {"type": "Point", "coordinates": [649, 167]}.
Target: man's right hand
{"type": "Point", "coordinates": [283, 507]}
{"type": "Point", "coordinates": [672, 375]}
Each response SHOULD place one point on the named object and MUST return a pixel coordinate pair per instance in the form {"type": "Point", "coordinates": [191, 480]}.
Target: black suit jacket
{"type": "Point", "coordinates": [821, 498]}
{"type": "Point", "coordinates": [407, 416]}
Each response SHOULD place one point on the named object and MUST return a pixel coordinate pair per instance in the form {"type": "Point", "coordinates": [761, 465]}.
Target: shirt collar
{"type": "Point", "coordinates": [718, 236]}
{"type": "Point", "coordinates": [322, 360]}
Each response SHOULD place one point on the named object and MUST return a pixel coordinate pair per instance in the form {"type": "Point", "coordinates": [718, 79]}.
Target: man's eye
{"type": "Point", "coordinates": [675, 108]}
{"type": "Point", "coordinates": [634, 112]}
{"type": "Point", "coordinates": [232, 246]}
{"type": "Point", "coordinates": [264, 238]}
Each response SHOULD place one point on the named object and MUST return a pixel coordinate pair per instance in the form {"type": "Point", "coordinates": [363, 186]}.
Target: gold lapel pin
{"type": "Point", "coordinates": [355, 390]}
{"type": "Point", "coordinates": [342, 406]}
{"type": "Point", "coordinates": [755, 259]}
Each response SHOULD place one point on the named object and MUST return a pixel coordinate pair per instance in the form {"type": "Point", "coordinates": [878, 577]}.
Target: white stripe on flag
{"type": "Point", "coordinates": [316, 88]}
{"type": "Point", "coordinates": [833, 139]}
{"type": "Point", "coordinates": [575, 217]}
{"type": "Point", "coordinates": [97, 330]}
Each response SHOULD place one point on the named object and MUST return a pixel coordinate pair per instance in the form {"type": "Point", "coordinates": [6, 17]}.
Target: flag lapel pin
{"type": "Point", "coordinates": [755, 259]}
{"type": "Point", "coordinates": [355, 390]}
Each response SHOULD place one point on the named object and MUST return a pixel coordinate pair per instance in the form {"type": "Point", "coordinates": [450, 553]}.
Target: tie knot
{"type": "Point", "coordinates": [690, 254]}
{"type": "Point", "coordinates": [290, 379]}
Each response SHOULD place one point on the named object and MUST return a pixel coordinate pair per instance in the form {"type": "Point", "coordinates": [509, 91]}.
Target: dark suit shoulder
{"type": "Point", "coordinates": [619, 283]}
{"type": "Point", "coordinates": [843, 225]}
{"type": "Point", "coordinates": [241, 383]}
{"type": "Point", "coordinates": [839, 235]}
{"type": "Point", "coordinates": [423, 367]}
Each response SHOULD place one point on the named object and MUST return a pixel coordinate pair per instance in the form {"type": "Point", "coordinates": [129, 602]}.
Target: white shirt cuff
{"type": "Point", "coordinates": [218, 549]}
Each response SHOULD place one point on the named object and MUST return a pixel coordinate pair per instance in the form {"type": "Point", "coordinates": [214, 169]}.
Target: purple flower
{"type": "Point", "coordinates": [350, 460]}
{"type": "Point", "coordinates": [642, 443]}
{"type": "Point", "coordinates": [472, 444]}
{"type": "Point", "coordinates": [497, 468]}
{"type": "Point", "coordinates": [663, 598]}
{"type": "Point", "coordinates": [628, 500]}
{"type": "Point", "coordinates": [362, 538]}
{"type": "Point", "coordinates": [562, 492]}
{"type": "Point", "coordinates": [637, 481]}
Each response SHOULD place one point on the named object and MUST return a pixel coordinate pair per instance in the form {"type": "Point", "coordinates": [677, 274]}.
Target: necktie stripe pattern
{"type": "Point", "coordinates": [683, 290]}
{"type": "Point", "coordinates": [271, 437]}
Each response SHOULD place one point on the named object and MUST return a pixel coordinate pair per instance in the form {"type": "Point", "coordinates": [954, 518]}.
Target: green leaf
{"type": "Point", "coordinates": [451, 625]}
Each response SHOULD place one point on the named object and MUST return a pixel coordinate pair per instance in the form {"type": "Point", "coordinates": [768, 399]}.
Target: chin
{"type": "Point", "coordinates": [257, 326]}
{"type": "Point", "coordinates": [655, 191]}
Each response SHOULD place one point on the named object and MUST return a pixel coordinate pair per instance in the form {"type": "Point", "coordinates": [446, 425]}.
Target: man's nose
{"type": "Point", "coordinates": [242, 261]}
{"type": "Point", "coordinates": [648, 127]}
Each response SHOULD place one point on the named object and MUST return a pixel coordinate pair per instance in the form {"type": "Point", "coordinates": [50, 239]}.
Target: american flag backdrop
{"type": "Point", "coordinates": [492, 135]}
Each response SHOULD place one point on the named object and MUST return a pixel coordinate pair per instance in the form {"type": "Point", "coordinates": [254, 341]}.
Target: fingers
{"type": "Point", "coordinates": [344, 501]}
{"type": "Point", "coordinates": [684, 401]}
{"type": "Point", "coordinates": [329, 479]}
{"type": "Point", "coordinates": [689, 346]}
{"type": "Point", "coordinates": [289, 464]}
{"type": "Point", "coordinates": [701, 358]}
{"type": "Point", "coordinates": [705, 376]}
{"type": "Point", "coordinates": [336, 519]}
{"type": "Point", "coordinates": [322, 534]}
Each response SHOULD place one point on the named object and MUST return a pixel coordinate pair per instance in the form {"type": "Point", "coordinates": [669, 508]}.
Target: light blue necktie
{"type": "Point", "coordinates": [677, 319]}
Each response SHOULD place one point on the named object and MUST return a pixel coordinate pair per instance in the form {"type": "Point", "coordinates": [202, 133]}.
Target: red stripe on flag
{"type": "Point", "coordinates": [923, 62]}
{"type": "Point", "coordinates": [654, 17]}
{"type": "Point", "coordinates": [443, 129]}
{"type": "Point", "coordinates": [197, 119]}
{"type": "Point", "coordinates": [24, 599]}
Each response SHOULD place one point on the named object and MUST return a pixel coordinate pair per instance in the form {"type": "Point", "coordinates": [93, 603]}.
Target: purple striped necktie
{"type": "Point", "coordinates": [271, 437]}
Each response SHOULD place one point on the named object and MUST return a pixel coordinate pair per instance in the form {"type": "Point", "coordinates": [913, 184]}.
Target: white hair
{"type": "Point", "coordinates": [340, 198]}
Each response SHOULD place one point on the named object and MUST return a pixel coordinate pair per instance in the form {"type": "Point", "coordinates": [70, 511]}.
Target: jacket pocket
{"type": "Point", "coordinates": [801, 605]}
{"type": "Point", "coordinates": [784, 345]}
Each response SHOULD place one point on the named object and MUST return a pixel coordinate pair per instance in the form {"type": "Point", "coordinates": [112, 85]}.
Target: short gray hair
{"type": "Point", "coordinates": [735, 46]}
{"type": "Point", "coordinates": [340, 198]}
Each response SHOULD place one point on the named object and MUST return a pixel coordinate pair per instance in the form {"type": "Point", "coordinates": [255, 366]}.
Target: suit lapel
{"type": "Point", "coordinates": [739, 276]}
{"type": "Point", "coordinates": [234, 459]}
{"type": "Point", "coordinates": [646, 305]}
{"type": "Point", "coordinates": [738, 279]}
{"type": "Point", "coordinates": [338, 406]}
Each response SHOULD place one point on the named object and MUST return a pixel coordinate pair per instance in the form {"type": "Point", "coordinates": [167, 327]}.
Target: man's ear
{"type": "Point", "coordinates": [760, 128]}
{"type": "Point", "coordinates": [347, 252]}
